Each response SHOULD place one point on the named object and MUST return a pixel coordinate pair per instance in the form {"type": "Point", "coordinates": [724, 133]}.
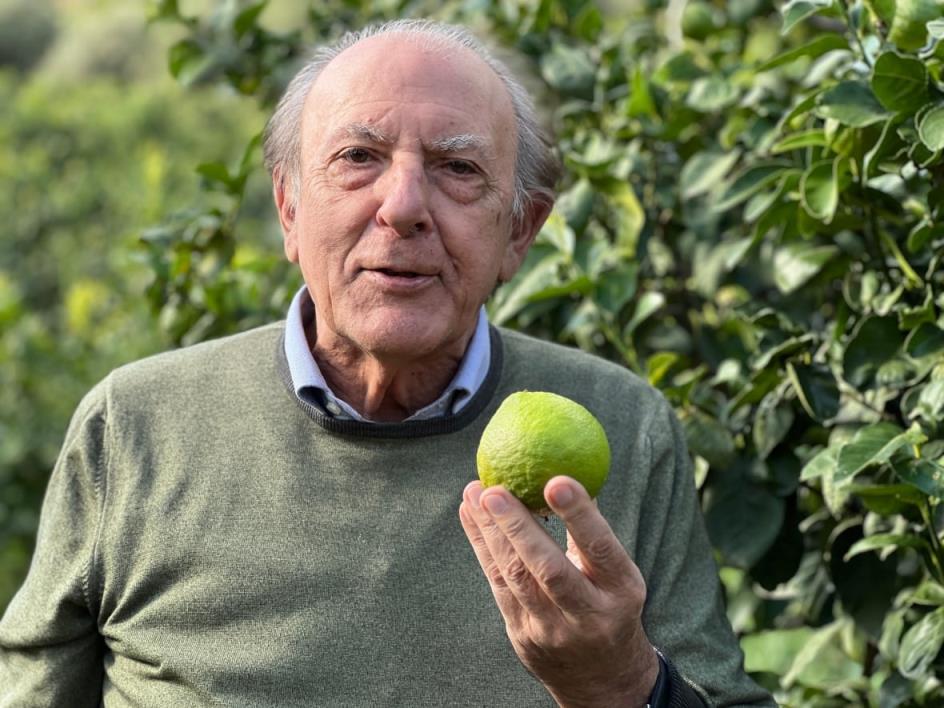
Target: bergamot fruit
{"type": "Point", "coordinates": [534, 436]}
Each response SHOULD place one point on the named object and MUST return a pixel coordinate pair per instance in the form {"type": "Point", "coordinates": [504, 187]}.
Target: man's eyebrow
{"type": "Point", "coordinates": [458, 143]}
{"type": "Point", "coordinates": [363, 131]}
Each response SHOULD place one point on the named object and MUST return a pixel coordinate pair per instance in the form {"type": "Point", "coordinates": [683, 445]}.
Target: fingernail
{"type": "Point", "coordinates": [562, 495]}
{"type": "Point", "coordinates": [495, 505]}
{"type": "Point", "coordinates": [472, 493]}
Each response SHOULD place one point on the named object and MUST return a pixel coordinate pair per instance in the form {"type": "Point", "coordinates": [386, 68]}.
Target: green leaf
{"type": "Point", "coordinates": [922, 234]}
{"type": "Point", "coordinates": [874, 341]}
{"type": "Point", "coordinates": [773, 651]}
{"type": "Point", "coordinates": [928, 593]}
{"type": "Point", "coordinates": [821, 663]}
{"type": "Point", "coordinates": [927, 340]}
{"type": "Point", "coordinates": [873, 445]}
{"type": "Point", "coordinates": [888, 499]}
{"type": "Point", "coordinates": [823, 464]}
{"type": "Point", "coordinates": [706, 170]}
{"type": "Point", "coordinates": [785, 348]}
{"type": "Point", "coordinates": [931, 129]}
{"type": "Point", "coordinates": [630, 216]}
{"type": "Point", "coordinates": [796, 263]}
{"type": "Point", "coordinates": [888, 144]}
{"type": "Point", "coordinates": [616, 286]}
{"type": "Point", "coordinates": [709, 438]}
{"type": "Point", "coordinates": [649, 303]}
{"type": "Point", "coordinates": [892, 627]}
{"type": "Point", "coordinates": [743, 521]}
{"type": "Point", "coordinates": [542, 275]}
{"type": "Point", "coordinates": [569, 70]}
{"type": "Point", "coordinates": [711, 94]}
{"type": "Point", "coordinates": [884, 10]}
{"type": "Point", "coordinates": [772, 421]}
{"type": "Point", "coordinates": [796, 11]}
{"type": "Point", "coordinates": [850, 103]}
{"type": "Point", "coordinates": [816, 389]}
{"type": "Point", "coordinates": [920, 645]}
{"type": "Point", "coordinates": [640, 97]}
{"type": "Point", "coordinates": [931, 401]}
{"type": "Point", "coordinates": [911, 318]}
{"type": "Point", "coordinates": [247, 18]}
{"type": "Point", "coordinates": [576, 205]}
{"type": "Point", "coordinates": [925, 475]}
{"type": "Point", "coordinates": [749, 182]}
{"type": "Point", "coordinates": [798, 141]}
{"type": "Point", "coordinates": [885, 541]}
{"type": "Point", "coordinates": [188, 61]}
{"type": "Point", "coordinates": [900, 83]}
{"type": "Point", "coordinates": [163, 9]}
{"type": "Point", "coordinates": [820, 187]}
{"type": "Point", "coordinates": [803, 106]}
{"type": "Point", "coordinates": [557, 233]}
{"type": "Point", "coordinates": [659, 365]}
{"type": "Point", "coordinates": [816, 48]}
{"type": "Point", "coordinates": [214, 171]}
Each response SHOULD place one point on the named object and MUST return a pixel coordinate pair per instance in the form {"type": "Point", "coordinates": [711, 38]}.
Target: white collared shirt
{"type": "Point", "coordinates": [310, 385]}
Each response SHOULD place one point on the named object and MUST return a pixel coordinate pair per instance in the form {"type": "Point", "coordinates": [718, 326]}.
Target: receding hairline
{"type": "Point", "coordinates": [446, 47]}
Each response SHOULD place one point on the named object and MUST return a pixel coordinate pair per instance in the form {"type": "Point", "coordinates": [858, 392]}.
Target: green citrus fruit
{"type": "Point", "coordinates": [698, 20]}
{"type": "Point", "coordinates": [534, 436]}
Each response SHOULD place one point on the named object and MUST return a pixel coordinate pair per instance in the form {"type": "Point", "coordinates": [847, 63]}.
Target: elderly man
{"type": "Point", "coordinates": [271, 519]}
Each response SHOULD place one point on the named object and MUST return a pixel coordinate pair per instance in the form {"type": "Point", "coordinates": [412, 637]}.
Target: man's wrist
{"type": "Point", "coordinates": [632, 691]}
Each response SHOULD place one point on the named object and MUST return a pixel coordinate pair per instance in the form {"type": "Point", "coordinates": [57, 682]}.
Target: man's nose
{"type": "Point", "coordinates": [403, 191]}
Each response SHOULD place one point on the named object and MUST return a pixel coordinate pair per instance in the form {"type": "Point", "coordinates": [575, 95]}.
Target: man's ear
{"type": "Point", "coordinates": [285, 205]}
{"type": "Point", "coordinates": [523, 234]}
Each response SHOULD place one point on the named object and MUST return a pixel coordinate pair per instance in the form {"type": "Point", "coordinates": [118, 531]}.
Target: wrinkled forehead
{"type": "Point", "coordinates": [447, 80]}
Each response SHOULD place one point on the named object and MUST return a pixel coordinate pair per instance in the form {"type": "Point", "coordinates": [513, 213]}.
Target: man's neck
{"type": "Point", "coordinates": [384, 389]}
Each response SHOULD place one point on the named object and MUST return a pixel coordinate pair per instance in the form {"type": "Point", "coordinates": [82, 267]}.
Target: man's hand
{"type": "Point", "coordinates": [574, 619]}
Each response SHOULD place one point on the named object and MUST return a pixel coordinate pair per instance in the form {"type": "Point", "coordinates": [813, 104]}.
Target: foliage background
{"type": "Point", "coordinates": [752, 219]}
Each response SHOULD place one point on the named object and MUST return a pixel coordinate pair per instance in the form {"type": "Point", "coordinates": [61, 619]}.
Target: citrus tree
{"type": "Point", "coordinates": [85, 166]}
{"type": "Point", "coordinates": [752, 220]}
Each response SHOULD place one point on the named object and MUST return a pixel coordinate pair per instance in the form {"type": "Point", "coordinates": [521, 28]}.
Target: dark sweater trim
{"type": "Point", "coordinates": [410, 428]}
{"type": "Point", "coordinates": [680, 693]}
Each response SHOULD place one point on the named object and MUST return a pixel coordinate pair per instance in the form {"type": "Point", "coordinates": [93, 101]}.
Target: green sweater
{"type": "Point", "coordinates": [207, 539]}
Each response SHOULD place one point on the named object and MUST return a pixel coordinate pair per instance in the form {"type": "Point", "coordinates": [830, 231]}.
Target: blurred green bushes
{"type": "Point", "coordinates": [85, 167]}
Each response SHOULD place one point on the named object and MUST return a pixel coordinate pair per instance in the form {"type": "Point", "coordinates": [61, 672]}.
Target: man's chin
{"type": "Point", "coordinates": [404, 337]}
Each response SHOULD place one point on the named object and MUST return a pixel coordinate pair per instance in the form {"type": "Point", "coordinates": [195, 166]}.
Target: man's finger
{"type": "Point", "coordinates": [603, 558]}
{"type": "Point", "coordinates": [504, 598]}
{"type": "Point", "coordinates": [515, 571]}
{"type": "Point", "coordinates": [556, 576]}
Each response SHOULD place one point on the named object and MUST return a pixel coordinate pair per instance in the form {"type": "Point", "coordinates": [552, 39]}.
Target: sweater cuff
{"type": "Point", "coordinates": [672, 690]}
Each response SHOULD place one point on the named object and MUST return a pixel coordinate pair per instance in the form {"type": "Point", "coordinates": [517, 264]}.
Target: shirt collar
{"type": "Point", "coordinates": [310, 385]}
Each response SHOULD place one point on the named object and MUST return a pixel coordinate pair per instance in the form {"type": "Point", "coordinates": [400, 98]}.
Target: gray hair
{"type": "Point", "coordinates": [537, 169]}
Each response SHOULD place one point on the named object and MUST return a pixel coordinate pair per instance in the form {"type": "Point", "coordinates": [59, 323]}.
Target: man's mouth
{"type": "Point", "coordinates": [399, 280]}
{"type": "Point", "coordinates": [399, 273]}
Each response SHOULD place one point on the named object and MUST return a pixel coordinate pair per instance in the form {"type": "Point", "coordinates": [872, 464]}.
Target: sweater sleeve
{"type": "Point", "coordinates": [684, 614]}
{"type": "Point", "coordinates": [50, 650]}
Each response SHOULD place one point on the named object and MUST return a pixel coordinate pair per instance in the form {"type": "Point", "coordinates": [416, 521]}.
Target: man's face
{"type": "Point", "coordinates": [402, 224]}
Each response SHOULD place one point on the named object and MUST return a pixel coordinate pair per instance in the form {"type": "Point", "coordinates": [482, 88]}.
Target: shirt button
{"type": "Point", "coordinates": [333, 408]}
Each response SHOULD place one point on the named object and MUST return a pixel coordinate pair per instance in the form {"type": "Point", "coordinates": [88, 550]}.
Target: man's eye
{"type": "Point", "coordinates": [460, 167]}
{"type": "Point", "coordinates": [358, 156]}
